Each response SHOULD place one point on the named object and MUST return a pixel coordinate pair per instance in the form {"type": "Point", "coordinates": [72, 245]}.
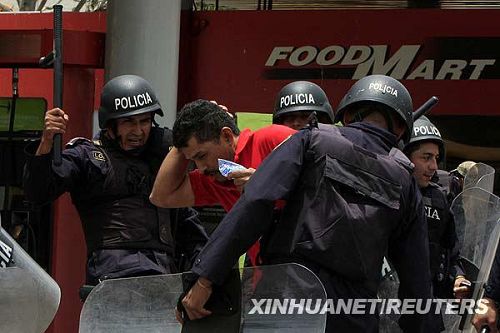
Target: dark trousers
{"type": "Point", "coordinates": [106, 264]}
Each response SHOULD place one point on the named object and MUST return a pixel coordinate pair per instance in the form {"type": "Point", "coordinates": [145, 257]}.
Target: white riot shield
{"type": "Point", "coordinates": [477, 217]}
{"type": "Point", "coordinates": [480, 175]}
{"type": "Point", "coordinates": [293, 298]}
{"type": "Point", "coordinates": [142, 304]}
{"type": "Point", "coordinates": [147, 304]}
{"type": "Point", "coordinates": [29, 297]}
{"type": "Point", "coordinates": [18, 293]}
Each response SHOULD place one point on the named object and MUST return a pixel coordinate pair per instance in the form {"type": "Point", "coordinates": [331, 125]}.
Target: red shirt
{"type": "Point", "coordinates": [252, 148]}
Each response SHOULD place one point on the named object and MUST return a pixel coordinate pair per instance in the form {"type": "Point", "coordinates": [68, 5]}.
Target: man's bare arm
{"type": "Point", "coordinates": [172, 188]}
{"type": "Point", "coordinates": [55, 122]}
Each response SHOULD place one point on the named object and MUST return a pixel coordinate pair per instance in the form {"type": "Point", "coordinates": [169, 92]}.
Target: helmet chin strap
{"type": "Point", "coordinates": [312, 120]}
{"type": "Point", "coordinates": [153, 121]}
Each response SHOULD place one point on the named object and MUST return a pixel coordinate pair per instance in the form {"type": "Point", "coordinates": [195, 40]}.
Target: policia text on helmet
{"type": "Point", "coordinates": [128, 105]}
{"type": "Point", "coordinates": [379, 99]}
{"type": "Point", "coordinates": [297, 100]}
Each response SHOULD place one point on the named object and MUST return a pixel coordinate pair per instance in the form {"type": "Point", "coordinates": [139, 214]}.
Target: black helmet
{"type": "Point", "coordinates": [125, 96]}
{"type": "Point", "coordinates": [302, 96]}
{"type": "Point", "coordinates": [424, 130]}
{"type": "Point", "coordinates": [381, 89]}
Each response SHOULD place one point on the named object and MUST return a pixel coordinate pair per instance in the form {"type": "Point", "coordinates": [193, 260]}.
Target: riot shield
{"type": "Point", "coordinates": [29, 297]}
{"type": "Point", "coordinates": [388, 289]}
{"type": "Point", "coordinates": [268, 294]}
{"type": "Point", "coordinates": [477, 218]}
{"type": "Point", "coordinates": [18, 293]}
{"type": "Point", "coordinates": [143, 304]}
{"type": "Point", "coordinates": [480, 175]}
{"type": "Point", "coordinates": [291, 293]}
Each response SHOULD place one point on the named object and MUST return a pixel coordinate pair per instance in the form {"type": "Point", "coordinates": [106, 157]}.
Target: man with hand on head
{"type": "Point", "coordinates": [204, 133]}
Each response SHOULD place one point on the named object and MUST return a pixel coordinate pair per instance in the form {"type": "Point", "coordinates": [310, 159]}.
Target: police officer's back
{"type": "Point", "coordinates": [350, 199]}
{"type": "Point", "coordinates": [110, 179]}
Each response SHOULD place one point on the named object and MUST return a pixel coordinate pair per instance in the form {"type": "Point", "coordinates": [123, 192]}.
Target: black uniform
{"type": "Point", "coordinates": [442, 241]}
{"type": "Point", "coordinates": [346, 208]}
{"type": "Point", "coordinates": [492, 289]}
{"type": "Point", "coordinates": [125, 234]}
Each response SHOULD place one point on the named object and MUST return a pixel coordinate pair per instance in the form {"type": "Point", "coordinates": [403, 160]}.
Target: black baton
{"type": "Point", "coordinates": [55, 59]}
{"type": "Point", "coordinates": [426, 107]}
{"type": "Point", "coordinates": [58, 77]}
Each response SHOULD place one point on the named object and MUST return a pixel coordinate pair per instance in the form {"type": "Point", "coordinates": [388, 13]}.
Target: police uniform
{"type": "Point", "coordinates": [125, 234]}
{"type": "Point", "coordinates": [365, 205]}
{"type": "Point", "coordinates": [443, 242]}
{"type": "Point", "coordinates": [492, 289]}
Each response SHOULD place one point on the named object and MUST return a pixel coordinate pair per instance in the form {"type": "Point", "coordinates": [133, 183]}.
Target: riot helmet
{"type": "Point", "coordinates": [384, 90]}
{"type": "Point", "coordinates": [423, 131]}
{"type": "Point", "coordinates": [302, 96]}
{"type": "Point", "coordinates": [125, 96]}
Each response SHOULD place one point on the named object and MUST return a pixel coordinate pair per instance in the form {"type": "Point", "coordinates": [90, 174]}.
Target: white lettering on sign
{"type": "Point", "coordinates": [374, 59]}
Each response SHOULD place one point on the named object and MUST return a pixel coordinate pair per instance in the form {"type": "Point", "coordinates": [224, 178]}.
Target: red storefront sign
{"type": "Point", "coordinates": [243, 58]}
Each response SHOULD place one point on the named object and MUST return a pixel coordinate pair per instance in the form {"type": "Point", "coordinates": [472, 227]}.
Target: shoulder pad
{"type": "Point", "coordinates": [329, 127]}
{"type": "Point", "coordinates": [77, 141]}
{"type": "Point", "coordinates": [161, 136]}
{"type": "Point", "coordinates": [402, 159]}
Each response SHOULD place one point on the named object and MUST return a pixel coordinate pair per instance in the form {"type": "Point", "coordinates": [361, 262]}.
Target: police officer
{"type": "Point", "coordinates": [110, 179]}
{"type": "Point", "coordinates": [297, 100]}
{"type": "Point", "coordinates": [426, 149]}
{"type": "Point", "coordinates": [350, 199]}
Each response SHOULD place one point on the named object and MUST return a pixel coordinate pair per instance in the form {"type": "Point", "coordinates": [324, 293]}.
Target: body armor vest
{"type": "Point", "coordinates": [114, 205]}
{"type": "Point", "coordinates": [441, 232]}
{"type": "Point", "coordinates": [344, 209]}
